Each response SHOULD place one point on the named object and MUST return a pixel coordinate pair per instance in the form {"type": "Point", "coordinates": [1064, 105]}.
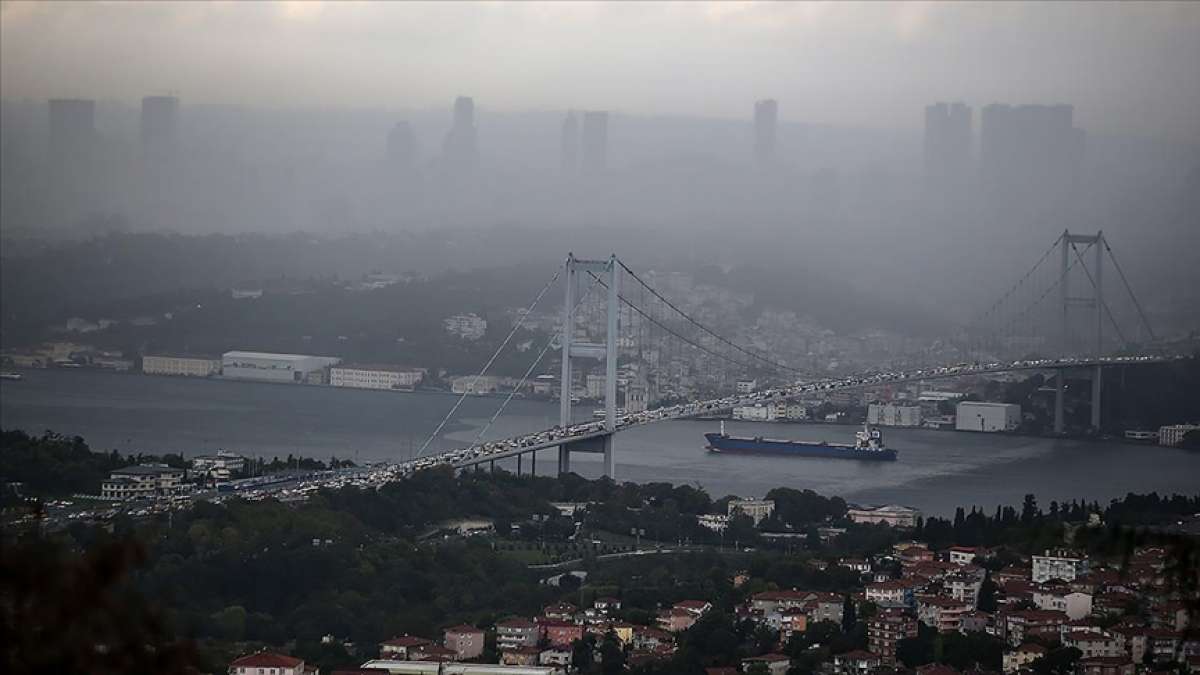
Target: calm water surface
{"type": "Point", "coordinates": [936, 471]}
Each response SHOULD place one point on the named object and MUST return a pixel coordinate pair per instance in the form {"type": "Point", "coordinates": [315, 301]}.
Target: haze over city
{"type": "Point", "coordinates": [600, 338]}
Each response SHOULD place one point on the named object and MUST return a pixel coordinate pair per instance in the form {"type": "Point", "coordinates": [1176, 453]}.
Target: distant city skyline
{"type": "Point", "coordinates": [1127, 68]}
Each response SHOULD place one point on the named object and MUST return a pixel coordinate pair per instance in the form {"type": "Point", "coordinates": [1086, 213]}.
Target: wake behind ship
{"type": "Point", "coordinates": [868, 445]}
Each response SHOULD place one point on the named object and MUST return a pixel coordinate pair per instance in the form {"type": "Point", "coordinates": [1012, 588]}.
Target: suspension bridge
{"type": "Point", "coordinates": [673, 362]}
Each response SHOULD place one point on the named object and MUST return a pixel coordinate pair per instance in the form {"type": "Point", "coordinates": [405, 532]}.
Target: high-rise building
{"type": "Point", "coordinates": [594, 143]}
{"type": "Point", "coordinates": [568, 152]}
{"type": "Point", "coordinates": [766, 118]}
{"type": "Point", "coordinates": [72, 130]}
{"type": "Point", "coordinates": [461, 148]}
{"type": "Point", "coordinates": [401, 145]}
{"type": "Point", "coordinates": [159, 126]}
{"type": "Point", "coordinates": [1029, 153]}
{"type": "Point", "coordinates": [947, 152]}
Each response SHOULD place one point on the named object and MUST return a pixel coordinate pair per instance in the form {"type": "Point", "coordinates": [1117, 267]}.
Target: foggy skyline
{"type": "Point", "coordinates": [1124, 66]}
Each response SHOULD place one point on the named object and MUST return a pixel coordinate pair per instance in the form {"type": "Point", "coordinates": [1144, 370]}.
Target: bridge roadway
{"type": "Point", "coordinates": [491, 451]}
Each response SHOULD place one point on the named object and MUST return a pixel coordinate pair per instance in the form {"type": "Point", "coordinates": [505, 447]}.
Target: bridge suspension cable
{"type": "Point", "coordinates": [529, 371]}
{"type": "Point", "coordinates": [516, 327]}
{"type": "Point", "coordinates": [1017, 286]}
{"type": "Point", "coordinates": [675, 333]}
{"type": "Point", "coordinates": [706, 329]}
{"type": "Point", "coordinates": [1129, 289]}
{"type": "Point", "coordinates": [1100, 299]}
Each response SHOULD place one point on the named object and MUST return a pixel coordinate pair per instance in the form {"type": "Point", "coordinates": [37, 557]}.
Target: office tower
{"type": "Point", "coordinates": [461, 148]}
{"type": "Point", "coordinates": [401, 145]}
{"type": "Point", "coordinates": [568, 151]}
{"type": "Point", "coordinates": [594, 156]}
{"type": "Point", "coordinates": [159, 126]}
{"type": "Point", "coordinates": [72, 130]}
{"type": "Point", "coordinates": [947, 154]}
{"type": "Point", "coordinates": [1030, 154]}
{"type": "Point", "coordinates": [766, 117]}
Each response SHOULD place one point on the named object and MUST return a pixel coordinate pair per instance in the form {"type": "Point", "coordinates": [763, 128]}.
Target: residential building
{"type": "Point", "coordinates": [1172, 435]}
{"type": "Point", "coordinates": [1092, 643]}
{"type": "Point", "coordinates": [1059, 564]}
{"type": "Point", "coordinates": [776, 664]}
{"type": "Point", "coordinates": [143, 481]}
{"type": "Point", "coordinates": [403, 647]}
{"type": "Point", "coordinates": [1061, 598]}
{"type": "Point", "coordinates": [595, 385]}
{"type": "Point", "coordinates": [562, 633]}
{"type": "Point", "coordinates": [520, 656]}
{"type": "Point", "coordinates": [269, 367]}
{"type": "Point", "coordinates": [947, 150]}
{"type": "Point", "coordinates": [717, 522]}
{"type": "Point", "coordinates": [1105, 665]}
{"type": "Point", "coordinates": [1022, 656]}
{"type": "Point", "coordinates": [270, 663]}
{"type": "Point", "coordinates": [942, 613]}
{"type": "Point", "coordinates": [746, 386]}
{"type": "Point", "coordinates": [757, 509]}
{"type": "Point", "coordinates": [433, 652]}
{"type": "Point", "coordinates": [468, 326]}
{"type": "Point", "coordinates": [965, 584]}
{"type": "Point", "coordinates": [517, 632]}
{"type": "Point", "coordinates": [891, 415]}
{"type": "Point", "coordinates": [375, 376]}
{"type": "Point", "coordinates": [559, 657]}
{"type": "Point", "coordinates": [180, 364]}
{"type": "Point", "coordinates": [466, 641]}
{"type": "Point", "coordinates": [987, 417]}
{"type": "Point", "coordinates": [892, 514]}
{"type": "Point", "coordinates": [676, 620]}
{"type": "Point", "coordinates": [896, 593]}
{"type": "Point", "coordinates": [1019, 625]}
{"type": "Point", "coordinates": [857, 662]}
{"type": "Point", "coordinates": [963, 555]}
{"type": "Point", "coordinates": [887, 628]}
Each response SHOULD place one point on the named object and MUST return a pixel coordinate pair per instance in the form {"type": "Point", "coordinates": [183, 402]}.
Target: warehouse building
{"type": "Point", "coordinates": [181, 364]}
{"type": "Point", "coordinates": [367, 376]}
{"type": "Point", "coordinates": [980, 416]}
{"type": "Point", "coordinates": [889, 415]}
{"type": "Point", "coordinates": [268, 367]}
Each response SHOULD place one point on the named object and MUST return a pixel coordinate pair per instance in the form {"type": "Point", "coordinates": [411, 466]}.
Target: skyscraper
{"type": "Point", "coordinates": [461, 148]}
{"type": "Point", "coordinates": [72, 130]}
{"type": "Point", "coordinates": [568, 149]}
{"type": "Point", "coordinates": [159, 126]}
{"type": "Point", "coordinates": [594, 143]}
{"type": "Point", "coordinates": [401, 145]}
{"type": "Point", "coordinates": [766, 117]}
{"type": "Point", "coordinates": [947, 155]}
{"type": "Point", "coordinates": [1030, 154]}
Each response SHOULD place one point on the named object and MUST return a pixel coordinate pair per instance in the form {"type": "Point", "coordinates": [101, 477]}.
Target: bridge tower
{"type": "Point", "coordinates": [606, 271]}
{"type": "Point", "coordinates": [1094, 303]}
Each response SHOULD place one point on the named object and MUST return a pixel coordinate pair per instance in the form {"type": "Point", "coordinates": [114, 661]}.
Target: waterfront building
{"type": "Point", "coordinates": [143, 481]}
{"type": "Point", "coordinates": [374, 376]}
{"type": "Point", "coordinates": [221, 465]}
{"type": "Point", "coordinates": [1172, 435]}
{"type": "Point", "coordinates": [892, 514]}
{"type": "Point", "coordinates": [757, 509]}
{"type": "Point", "coordinates": [987, 417]}
{"type": "Point", "coordinates": [269, 367]}
{"type": "Point", "coordinates": [891, 415]}
{"type": "Point", "coordinates": [181, 364]}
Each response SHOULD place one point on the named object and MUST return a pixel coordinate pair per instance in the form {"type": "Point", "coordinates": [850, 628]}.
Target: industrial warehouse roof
{"type": "Point", "coordinates": [269, 355]}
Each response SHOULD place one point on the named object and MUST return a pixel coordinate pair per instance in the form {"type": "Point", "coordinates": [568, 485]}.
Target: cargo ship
{"type": "Point", "coordinates": [868, 445]}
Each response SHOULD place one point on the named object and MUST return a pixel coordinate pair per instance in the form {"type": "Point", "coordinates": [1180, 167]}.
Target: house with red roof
{"type": "Point", "coordinates": [270, 662]}
{"type": "Point", "coordinates": [402, 647]}
{"type": "Point", "coordinates": [562, 633]}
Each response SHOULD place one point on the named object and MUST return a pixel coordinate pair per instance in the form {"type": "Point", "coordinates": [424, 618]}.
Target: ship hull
{"type": "Point", "coordinates": [738, 445]}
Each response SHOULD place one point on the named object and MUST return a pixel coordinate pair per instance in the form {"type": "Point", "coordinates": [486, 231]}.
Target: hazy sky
{"type": "Point", "coordinates": [1127, 67]}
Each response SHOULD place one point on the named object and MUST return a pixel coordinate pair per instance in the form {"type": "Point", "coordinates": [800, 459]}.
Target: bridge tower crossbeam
{"type": "Point", "coordinates": [609, 271]}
